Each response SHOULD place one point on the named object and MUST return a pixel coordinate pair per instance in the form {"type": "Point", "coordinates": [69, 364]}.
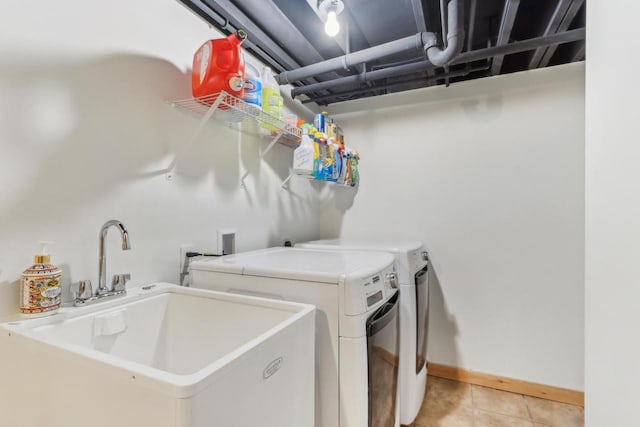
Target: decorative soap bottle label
{"type": "Point", "coordinates": [40, 290]}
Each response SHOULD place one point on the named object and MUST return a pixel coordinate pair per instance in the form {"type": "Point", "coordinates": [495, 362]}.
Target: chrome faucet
{"type": "Point", "coordinates": [83, 291]}
{"type": "Point", "coordinates": [102, 257]}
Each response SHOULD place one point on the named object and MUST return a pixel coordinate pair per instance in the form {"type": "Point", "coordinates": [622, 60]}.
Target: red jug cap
{"type": "Point", "coordinates": [241, 34]}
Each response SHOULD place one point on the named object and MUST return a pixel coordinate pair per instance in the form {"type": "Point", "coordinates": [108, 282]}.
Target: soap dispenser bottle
{"type": "Point", "coordinates": [40, 290]}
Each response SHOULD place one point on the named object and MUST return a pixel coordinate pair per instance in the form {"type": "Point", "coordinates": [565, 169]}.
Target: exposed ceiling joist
{"type": "Point", "coordinates": [239, 20]}
{"type": "Point", "coordinates": [276, 23]}
{"type": "Point", "coordinates": [579, 54]}
{"type": "Point", "coordinates": [562, 17]}
{"type": "Point", "coordinates": [472, 24]}
{"type": "Point", "coordinates": [297, 11]}
{"type": "Point", "coordinates": [506, 26]}
{"type": "Point", "coordinates": [397, 85]}
{"type": "Point", "coordinates": [564, 26]}
{"type": "Point", "coordinates": [552, 27]}
{"type": "Point", "coordinates": [289, 35]}
{"type": "Point", "coordinates": [463, 58]}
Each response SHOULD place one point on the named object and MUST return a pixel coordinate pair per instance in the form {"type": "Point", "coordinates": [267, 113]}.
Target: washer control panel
{"type": "Point", "coordinates": [360, 295]}
{"type": "Point", "coordinates": [373, 299]}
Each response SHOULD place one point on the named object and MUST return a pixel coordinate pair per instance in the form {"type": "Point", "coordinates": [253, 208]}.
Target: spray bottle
{"type": "Point", "coordinates": [304, 155]}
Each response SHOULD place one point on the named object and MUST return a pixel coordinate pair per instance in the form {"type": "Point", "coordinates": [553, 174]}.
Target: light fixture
{"type": "Point", "coordinates": [329, 11]}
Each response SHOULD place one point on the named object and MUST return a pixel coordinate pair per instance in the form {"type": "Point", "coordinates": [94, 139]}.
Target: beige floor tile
{"type": "Point", "coordinates": [491, 419]}
{"type": "Point", "coordinates": [555, 414]}
{"type": "Point", "coordinates": [443, 414]}
{"type": "Point", "coordinates": [450, 392]}
{"type": "Point", "coordinates": [501, 402]}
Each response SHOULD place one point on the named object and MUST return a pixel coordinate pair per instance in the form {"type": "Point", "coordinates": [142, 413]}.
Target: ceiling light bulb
{"type": "Point", "coordinates": [332, 27]}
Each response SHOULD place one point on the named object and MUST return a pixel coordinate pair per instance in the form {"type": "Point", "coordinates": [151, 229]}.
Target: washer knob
{"type": "Point", "coordinates": [393, 279]}
{"type": "Point", "coordinates": [425, 256]}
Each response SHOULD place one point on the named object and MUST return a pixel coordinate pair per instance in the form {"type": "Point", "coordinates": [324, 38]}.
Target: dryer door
{"type": "Point", "coordinates": [422, 317]}
{"type": "Point", "coordinates": [382, 352]}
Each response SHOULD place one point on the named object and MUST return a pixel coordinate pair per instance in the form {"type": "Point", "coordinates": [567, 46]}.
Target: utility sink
{"type": "Point", "coordinates": [161, 356]}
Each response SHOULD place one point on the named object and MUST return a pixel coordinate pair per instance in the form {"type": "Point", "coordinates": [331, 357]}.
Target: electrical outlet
{"type": "Point", "coordinates": [184, 248]}
{"type": "Point", "coordinates": [226, 241]}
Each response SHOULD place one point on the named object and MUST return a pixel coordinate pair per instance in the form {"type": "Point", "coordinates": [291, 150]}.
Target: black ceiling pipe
{"type": "Point", "coordinates": [396, 85]}
{"type": "Point", "coordinates": [475, 55]}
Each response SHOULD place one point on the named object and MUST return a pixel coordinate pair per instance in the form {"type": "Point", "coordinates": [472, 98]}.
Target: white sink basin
{"type": "Point", "coordinates": [161, 356]}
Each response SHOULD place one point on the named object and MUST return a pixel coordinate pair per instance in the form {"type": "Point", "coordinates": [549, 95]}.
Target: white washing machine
{"type": "Point", "coordinates": [411, 266]}
{"type": "Point", "coordinates": [357, 349]}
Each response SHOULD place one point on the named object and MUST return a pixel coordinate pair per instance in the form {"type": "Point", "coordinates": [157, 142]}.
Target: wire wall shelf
{"type": "Point", "coordinates": [242, 116]}
{"type": "Point", "coordinates": [245, 117]}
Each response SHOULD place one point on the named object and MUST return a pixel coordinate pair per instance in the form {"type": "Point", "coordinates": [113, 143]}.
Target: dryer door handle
{"type": "Point", "coordinates": [383, 316]}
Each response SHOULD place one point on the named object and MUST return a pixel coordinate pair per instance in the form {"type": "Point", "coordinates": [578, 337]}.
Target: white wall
{"type": "Point", "coordinates": [489, 174]}
{"type": "Point", "coordinates": [85, 134]}
{"type": "Point", "coordinates": [612, 215]}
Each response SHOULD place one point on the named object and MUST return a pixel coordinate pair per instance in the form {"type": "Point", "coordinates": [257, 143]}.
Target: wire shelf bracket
{"type": "Point", "coordinates": [264, 153]}
{"type": "Point", "coordinates": [246, 118]}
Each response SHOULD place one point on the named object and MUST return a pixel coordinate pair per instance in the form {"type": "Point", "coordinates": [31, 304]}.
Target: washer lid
{"type": "Point", "coordinates": [299, 264]}
{"type": "Point", "coordinates": [396, 246]}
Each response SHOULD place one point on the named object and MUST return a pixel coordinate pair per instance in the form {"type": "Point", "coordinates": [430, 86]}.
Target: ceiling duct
{"type": "Point", "coordinates": [475, 55]}
{"type": "Point", "coordinates": [423, 40]}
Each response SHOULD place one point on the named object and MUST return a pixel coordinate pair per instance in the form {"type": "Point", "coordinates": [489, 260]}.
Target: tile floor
{"type": "Point", "coordinates": [453, 404]}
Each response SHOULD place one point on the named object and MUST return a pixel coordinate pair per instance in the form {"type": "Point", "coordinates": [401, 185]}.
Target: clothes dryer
{"type": "Point", "coordinates": [412, 268]}
{"type": "Point", "coordinates": [357, 350]}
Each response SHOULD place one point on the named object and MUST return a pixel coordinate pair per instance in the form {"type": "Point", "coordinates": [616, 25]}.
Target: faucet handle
{"type": "Point", "coordinates": [119, 282]}
{"type": "Point", "coordinates": [81, 289]}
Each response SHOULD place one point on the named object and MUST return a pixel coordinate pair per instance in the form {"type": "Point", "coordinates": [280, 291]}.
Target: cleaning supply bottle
{"type": "Point", "coordinates": [323, 161]}
{"type": "Point", "coordinates": [344, 164]}
{"type": "Point", "coordinates": [316, 153]}
{"type": "Point", "coordinates": [329, 159]}
{"type": "Point", "coordinates": [333, 161]}
{"type": "Point", "coordinates": [252, 86]}
{"type": "Point", "coordinates": [40, 290]}
{"type": "Point", "coordinates": [219, 65]}
{"type": "Point", "coordinates": [349, 173]}
{"type": "Point", "coordinates": [319, 122]}
{"type": "Point", "coordinates": [319, 165]}
{"type": "Point", "coordinates": [337, 156]}
{"type": "Point", "coordinates": [272, 102]}
{"type": "Point", "coordinates": [355, 177]}
{"type": "Point", "coordinates": [303, 156]}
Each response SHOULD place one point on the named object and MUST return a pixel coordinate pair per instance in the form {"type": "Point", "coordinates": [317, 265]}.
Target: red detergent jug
{"type": "Point", "coordinates": [219, 65]}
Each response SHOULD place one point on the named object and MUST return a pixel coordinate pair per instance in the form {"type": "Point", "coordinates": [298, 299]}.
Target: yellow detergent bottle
{"type": "Point", "coordinates": [272, 101]}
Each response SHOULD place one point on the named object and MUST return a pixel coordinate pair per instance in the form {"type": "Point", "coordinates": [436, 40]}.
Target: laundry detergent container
{"type": "Point", "coordinates": [218, 65]}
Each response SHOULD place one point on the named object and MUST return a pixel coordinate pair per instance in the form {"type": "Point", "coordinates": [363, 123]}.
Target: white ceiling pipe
{"type": "Point", "coordinates": [455, 37]}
